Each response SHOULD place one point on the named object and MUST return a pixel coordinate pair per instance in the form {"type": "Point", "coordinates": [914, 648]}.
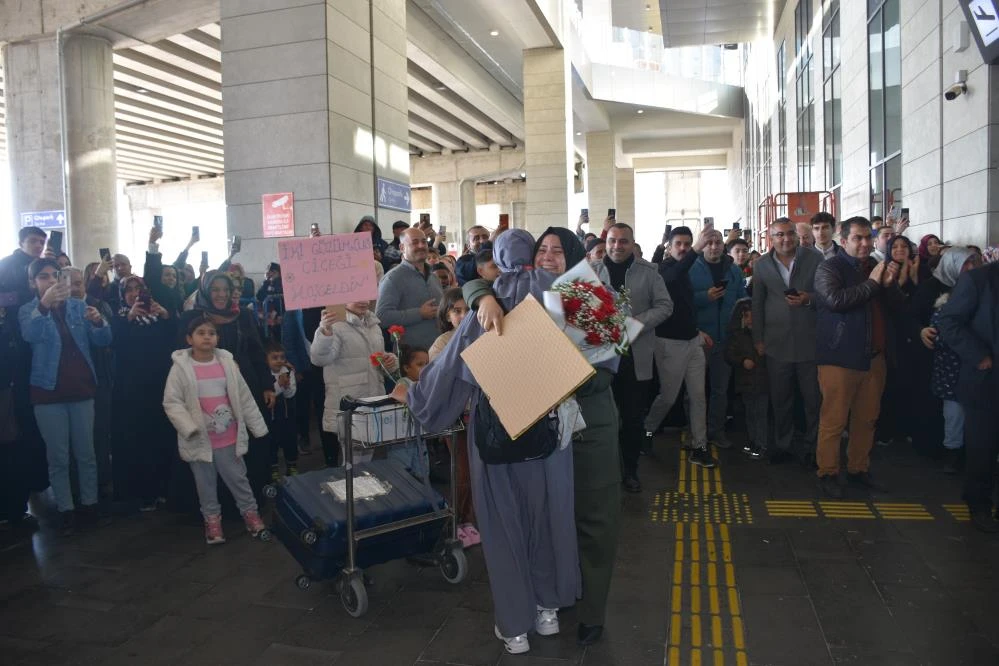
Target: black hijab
{"type": "Point", "coordinates": [574, 250]}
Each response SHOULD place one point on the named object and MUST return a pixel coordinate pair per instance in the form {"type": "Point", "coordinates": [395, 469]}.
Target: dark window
{"type": "Point", "coordinates": [832, 94]}
{"type": "Point", "coordinates": [805, 97]}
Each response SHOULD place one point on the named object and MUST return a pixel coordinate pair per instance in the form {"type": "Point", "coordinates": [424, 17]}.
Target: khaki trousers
{"type": "Point", "coordinates": [853, 395]}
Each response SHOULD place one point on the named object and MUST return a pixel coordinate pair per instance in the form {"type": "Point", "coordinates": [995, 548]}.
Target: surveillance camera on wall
{"type": "Point", "coordinates": [958, 88]}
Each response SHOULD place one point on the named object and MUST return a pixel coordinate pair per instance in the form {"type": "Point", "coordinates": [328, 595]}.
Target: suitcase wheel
{"type": "Point", "coordinates": [454, 565]}
{"type": "Point", "coordinates": [303, 582]}
{"type": "Point", "coordinates": [308, 537]}
{"type": "Point", "coordinates": [354, 597]}
{"type": "Point", "coordinates": [270, 490]}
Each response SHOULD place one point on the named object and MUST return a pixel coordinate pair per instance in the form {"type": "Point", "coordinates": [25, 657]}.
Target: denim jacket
{"type": "Point", "coordinates": [42, 333]}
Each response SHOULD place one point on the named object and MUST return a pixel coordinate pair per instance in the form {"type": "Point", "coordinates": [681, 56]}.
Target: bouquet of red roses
{"type": "Point", "coordinates": [594, 316]}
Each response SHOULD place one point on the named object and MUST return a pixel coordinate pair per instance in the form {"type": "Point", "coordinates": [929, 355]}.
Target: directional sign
{"type": "Point", "coordinates": [44, 219]}
{"type": "Point", "coordinates": [983, 18]}
{"type": "Point", "coordinates": [393, 194]}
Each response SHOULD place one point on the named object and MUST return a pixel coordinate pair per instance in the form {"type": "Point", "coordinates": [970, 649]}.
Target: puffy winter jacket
{"type": "Point", "coordinates": [345, 357]}
{"type": "Point", "coordinates": [182, 407]}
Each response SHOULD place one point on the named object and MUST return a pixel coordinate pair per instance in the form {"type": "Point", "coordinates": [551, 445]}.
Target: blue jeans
{"type": "Point", "coordinates": [953, 425]}
{"type": "Point", "coordinates": [65, 426]}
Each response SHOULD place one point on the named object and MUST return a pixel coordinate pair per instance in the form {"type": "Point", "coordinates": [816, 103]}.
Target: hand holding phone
{"type": "Point", "coordinates": [791, 292]}
{"type": "Point", "coordinates": [195, 234]}
{"type": "Point", "coordinates": [237, 245]}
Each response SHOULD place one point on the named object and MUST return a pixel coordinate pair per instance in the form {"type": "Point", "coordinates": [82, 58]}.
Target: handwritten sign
{"type": "Point", "coordinates": [279, 214]}
{"type": "Point", "coordinates": [327, 270]}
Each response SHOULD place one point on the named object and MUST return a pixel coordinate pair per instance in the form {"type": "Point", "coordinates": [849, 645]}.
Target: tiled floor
{"type": "Point", "coordinates": [877, 590]}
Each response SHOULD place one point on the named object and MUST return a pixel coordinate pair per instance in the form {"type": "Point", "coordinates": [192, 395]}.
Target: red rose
{"type": "Point", "coordinates": [376, 359]}
{"type": "Point", "coordinates": [572, 305]}
{"type": "Point", "coordinates": [593, 338]}
{"type": "Point", "coordinates": [396, 331]}
{"type": "Point", "coordinates": [615, 335]}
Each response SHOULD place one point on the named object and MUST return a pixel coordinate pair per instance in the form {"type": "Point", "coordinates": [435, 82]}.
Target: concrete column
{"type": "Point", "coordinates": [601, 179]}
{"type": "Point", "coordinates": [466, 193]}
{"type": "Point", "coordinates": [626, 196]}
{"type": "Point", "coordinates": [31, 86]}
{"type": "Point", "coordinates": [447, 206]}
{"type": "Point", "coordinates": [90, 160]}
{"type": "Point", "coordinates": [315, 102]}
{"type": "Point", "coordinates": [35, 144]}
{"type": "Point", "coordinates": [548, 142]}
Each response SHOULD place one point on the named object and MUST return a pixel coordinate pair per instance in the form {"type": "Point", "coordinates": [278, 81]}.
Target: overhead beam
{"type": "Point", "coordinates": [422, 83]}
{"type": "Point", "coordinates": [434, 133]}
{"type": "Point", "coordinates": [680, 163]}
{"type": "Point", "coordinates": [150, 82]}
{"type": "Point", "coordinates": [170, 73]}
{"type": "Point", "coordinates": [702, 143]}
{"type": "Point", "coordinates": [424, 144]}
{"type": "Point", "coordinates": [422, 107]}
{"type": "Point", "coordinates": [439, 55]}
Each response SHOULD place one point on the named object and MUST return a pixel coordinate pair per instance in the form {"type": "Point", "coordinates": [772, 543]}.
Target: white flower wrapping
{"type": "Point", "coordinates": [553, 304]}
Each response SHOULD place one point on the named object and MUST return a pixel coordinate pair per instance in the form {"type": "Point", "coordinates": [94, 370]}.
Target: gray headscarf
{"type": "Point", "coordinates": [513, 253]}
{"type": "Point", "coordinates": [951, 263]}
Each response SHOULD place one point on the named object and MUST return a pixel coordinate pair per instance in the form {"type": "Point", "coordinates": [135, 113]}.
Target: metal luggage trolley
{"type": "Point", "coordinates": [450, 553]}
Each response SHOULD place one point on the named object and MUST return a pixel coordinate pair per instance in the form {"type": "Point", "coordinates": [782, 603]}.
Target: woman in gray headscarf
{"type": "Point", "coordinates": [525, 509]}
{"type": "Point", "coordinates": [946, 363]}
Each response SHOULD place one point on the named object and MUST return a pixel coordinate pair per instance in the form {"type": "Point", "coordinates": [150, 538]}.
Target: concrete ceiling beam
{"type": "Point", "coordinates": [688, 144]}
{"type": "Point", "coordinates": [423, 84]}
{"type": "Point", "coordinates": [427, 110]}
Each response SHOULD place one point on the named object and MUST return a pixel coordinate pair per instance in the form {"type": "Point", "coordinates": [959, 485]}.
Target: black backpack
{"type": "Point", "coordinates": [495, 445]}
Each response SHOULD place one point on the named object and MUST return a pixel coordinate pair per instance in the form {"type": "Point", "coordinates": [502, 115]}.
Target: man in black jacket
{"type": "Point", "coordinates": [852, 294]}
{"type": "Point", "coordinates": [969, 322]}
{"type": "Point", "coordinates": [679, 346]}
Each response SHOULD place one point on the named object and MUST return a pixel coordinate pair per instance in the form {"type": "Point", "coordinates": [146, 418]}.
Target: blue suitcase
{"type": "Point", "coordinates": [312, 524]}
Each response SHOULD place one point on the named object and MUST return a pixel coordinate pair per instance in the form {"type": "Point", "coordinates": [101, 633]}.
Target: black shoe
{"type": "Point", "coordinates": [864, 479]}
{"type": "Point", "coordinates": [754, 452]}
{"type": "Point", "coordinates": [830, 487]}
{"type": "Point", "coordinates": [67, 523]}
{"type": "Point", "coordinates": [91, 516]}
{"type": "Point", "coordinates": [780, 456]}
{"type": "Point", "coordinates": [984, 522]}
{"type": "Point", "coordinates": [589, 634]}
{"type": "Point", "coordinates": [703, 458]}
{"type": "Point", "coordinates": [632, 484]}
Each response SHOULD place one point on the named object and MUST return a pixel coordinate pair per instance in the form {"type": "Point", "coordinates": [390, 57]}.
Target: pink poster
{"type": "Point", "coordinates": [279, 215]}
{"type": "Point", "coordinates": [327, 270]}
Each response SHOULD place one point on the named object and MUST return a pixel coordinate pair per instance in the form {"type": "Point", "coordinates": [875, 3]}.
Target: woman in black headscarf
{"type": "Point", "coordinates": [142, 441]}
{"type": "Point", "coordinates": [596, 452]}
{"type": "Point", "coordinates": [238, 335]}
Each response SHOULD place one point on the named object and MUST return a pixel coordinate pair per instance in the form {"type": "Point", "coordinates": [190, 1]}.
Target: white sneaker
{"type": "Point", "coordinates": [546, 623]}
{"type": "Point", "coordinates": [515, 645]}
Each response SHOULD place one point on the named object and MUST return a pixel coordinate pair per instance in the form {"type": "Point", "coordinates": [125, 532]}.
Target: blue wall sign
{"type": "Point", "coordinates": [44, 219]}
{"type": "Point", "coordinates": [394, 195]}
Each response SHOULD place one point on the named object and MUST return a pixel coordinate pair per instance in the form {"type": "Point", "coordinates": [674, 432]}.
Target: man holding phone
{"type": "Point", "coordinates": [717, 284]}
{"type": "Point", "coordinates": [784, 332]}
{"type": "Point", "coordinates": [409, 293]}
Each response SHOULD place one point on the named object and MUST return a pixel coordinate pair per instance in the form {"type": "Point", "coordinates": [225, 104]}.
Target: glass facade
{"type": "Point", "coordinates": [805, 96]}
{"type": "Point", "coordinates": [884, 86]}
{"type": "Point", "coordinates": [831, 95]}
{"type": "Point", "coordinates": [782, 117]}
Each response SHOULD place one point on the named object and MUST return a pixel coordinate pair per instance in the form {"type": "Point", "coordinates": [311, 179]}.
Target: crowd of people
{"type": "Point", "coordinates": [149, 388]}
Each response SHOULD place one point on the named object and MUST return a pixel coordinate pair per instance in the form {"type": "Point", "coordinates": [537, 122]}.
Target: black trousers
{"type": "Point", "coordinates": [981, 445]}
{"type": "Point", "coordinates": [630, 395]}
{"type": "Point", "coordinates": [281, 423]}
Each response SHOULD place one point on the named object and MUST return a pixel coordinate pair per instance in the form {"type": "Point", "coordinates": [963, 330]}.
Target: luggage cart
{"type": "Point", "coordinates": [448, 550]}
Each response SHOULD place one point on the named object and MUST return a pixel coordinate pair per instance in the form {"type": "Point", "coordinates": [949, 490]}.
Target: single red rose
{"type": "Point", "coordinates": [593, 338]}
{"type": "Point", "coordinates": [396, 330]}
{"type": "Point", "coordinates": [376, 359]}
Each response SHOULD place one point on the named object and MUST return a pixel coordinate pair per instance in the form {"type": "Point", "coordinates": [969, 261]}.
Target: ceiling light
{"type": "Point", "coordinates": [579, 134]}
{"type": "Point", "coordinates": [142, 91]}
{"type": "Point", "coordinates": [494, 33]}
{"type": "Point", "coordinates": [440, 87]}
{"type": "Point", "coordinates": [523, 174]}
{"type": "Point", "coordinates": [640, 111]}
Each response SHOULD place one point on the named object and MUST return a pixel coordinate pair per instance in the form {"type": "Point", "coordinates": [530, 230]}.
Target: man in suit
{"type": "Point", "coordinates": [969, 323]}
{"type": "Point", "coordinates": [651, 305]}
{"type": "Point", "coordinates": [784, 331]}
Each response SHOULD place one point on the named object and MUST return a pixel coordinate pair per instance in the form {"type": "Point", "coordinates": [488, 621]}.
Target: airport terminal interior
{"type": "Point", "coordinates": [262, 120]}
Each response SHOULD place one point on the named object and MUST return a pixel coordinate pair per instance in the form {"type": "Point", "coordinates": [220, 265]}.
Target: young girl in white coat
{"type": "Point", "coordinates": [343, 349]}
{"type": "Point", "coordinates": [211, 407]}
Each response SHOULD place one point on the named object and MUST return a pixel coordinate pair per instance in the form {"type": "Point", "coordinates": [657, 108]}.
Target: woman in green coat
{"type": "Point", "coordinates": [596, 456]}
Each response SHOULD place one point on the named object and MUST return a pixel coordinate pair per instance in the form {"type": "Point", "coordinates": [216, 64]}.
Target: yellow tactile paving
{"type": "Point", "coordinates": [705, 615]}
{"type": "Point", "coordinates": [960, 512]}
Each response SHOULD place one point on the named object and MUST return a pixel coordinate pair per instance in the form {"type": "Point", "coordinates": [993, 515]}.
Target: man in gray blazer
{"type": "Point", "coordinates": [651, 305]}
{"type": "Point", "coordinates": [784, 331]}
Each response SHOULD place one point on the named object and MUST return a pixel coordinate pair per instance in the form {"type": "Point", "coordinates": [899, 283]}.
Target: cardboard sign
{"type": "Point", "coordinates": [555, 367]}
{"type": "Point", "coordinates": [279, 214]}
{"type": "Point", "coordinates": [801, 206]}
{"type": "Point", "coordinates": [327, 270]}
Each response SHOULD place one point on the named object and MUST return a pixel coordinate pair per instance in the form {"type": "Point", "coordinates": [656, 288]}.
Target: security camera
{"type": "Point", "coordinates": [958, 88]}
